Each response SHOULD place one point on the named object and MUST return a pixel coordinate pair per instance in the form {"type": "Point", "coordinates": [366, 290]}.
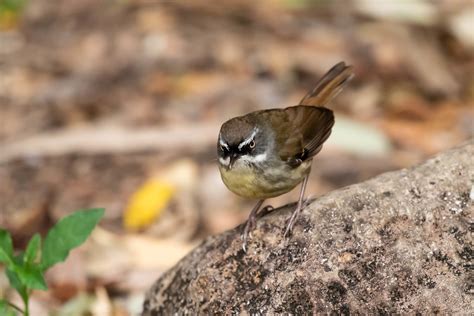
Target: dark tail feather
{"type": "Point", "coordinates": [329, 85]}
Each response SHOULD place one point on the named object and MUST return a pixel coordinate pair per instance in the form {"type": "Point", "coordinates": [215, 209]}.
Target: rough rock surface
{"type": "Point", "coordinates": [398, 243]}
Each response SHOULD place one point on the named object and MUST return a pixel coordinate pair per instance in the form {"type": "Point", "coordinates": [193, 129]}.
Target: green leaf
{"type": "Point", "coordinates": [12, 5]}
{"type": "Point", "coordinates": [31, 277]}
{"type": "Point", "coordinates": [6, 243]}
{"type": "Point", "coordinates": [24, 275]}
{"type": "Point", "coordinates": [5, 258]}
{"type": "Point", "coordinates": [5, 309]}
{"type": "Point", "coordinates": [32, 249]}
{"type": "Point", "coordinates": [16, 284]}
{"type": "Point", "coordinates": [70, 232]}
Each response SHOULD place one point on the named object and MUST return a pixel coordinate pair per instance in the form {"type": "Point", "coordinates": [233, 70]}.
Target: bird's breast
{"type": "Point", "coordinates": [264, 182]}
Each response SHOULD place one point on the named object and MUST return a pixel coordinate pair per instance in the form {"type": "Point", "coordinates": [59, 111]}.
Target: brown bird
{"type": "Point", "coordinates": [266, 153]}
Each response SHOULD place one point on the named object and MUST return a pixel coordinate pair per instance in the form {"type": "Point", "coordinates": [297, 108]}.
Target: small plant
{"type": "Point", "coordinates": [25, 270]}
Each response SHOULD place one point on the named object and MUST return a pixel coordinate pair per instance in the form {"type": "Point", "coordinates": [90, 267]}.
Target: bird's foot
{"type": "Point", "coordinates": [247, 233]}
{"type": "Point", "coordinates": [290, 223]}
{"type": "Point", "coordinates": [250, 225]}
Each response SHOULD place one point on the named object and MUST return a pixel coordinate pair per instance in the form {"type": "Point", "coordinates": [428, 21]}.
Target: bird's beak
{"type": "Point", "coordinates": [233, 158]}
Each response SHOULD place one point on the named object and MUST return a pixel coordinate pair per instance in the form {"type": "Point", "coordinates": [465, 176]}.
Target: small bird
{"type": "Point", "coordinates": [267, 153]}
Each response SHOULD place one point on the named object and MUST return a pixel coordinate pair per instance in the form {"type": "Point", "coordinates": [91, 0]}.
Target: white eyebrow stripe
{"type": "Point", "coordinates": [223, 144]}
{"type": "Point", "coordinates": [249, 139]}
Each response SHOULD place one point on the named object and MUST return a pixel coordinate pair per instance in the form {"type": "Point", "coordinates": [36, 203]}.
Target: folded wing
{"type": "Point", "coordinates": [309, 127]}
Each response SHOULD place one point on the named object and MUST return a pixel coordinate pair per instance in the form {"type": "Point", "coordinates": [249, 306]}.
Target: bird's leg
{"type": "Point", "coordinates": [250, 224]}
{"type": "Point", "coordinates": [298, 208]}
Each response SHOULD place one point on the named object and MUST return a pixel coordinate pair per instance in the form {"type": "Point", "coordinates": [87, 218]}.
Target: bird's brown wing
{"type": "Point", "coordinates": [306, 128]}
{"type": "Point", "coordinates": [302, 129]}
{"type": "Point", "coordinates": [329, 85]}
{"type": "Point", "coordinates": [310, 123]}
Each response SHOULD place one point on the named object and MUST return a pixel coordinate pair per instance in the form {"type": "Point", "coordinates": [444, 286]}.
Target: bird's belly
{"type": "Point", "coordinates": [269, 182]}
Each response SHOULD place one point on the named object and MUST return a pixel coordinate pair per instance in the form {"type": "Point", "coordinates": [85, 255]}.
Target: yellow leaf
{"type": "Point", "coordinates": [147, 203]}
{"type": "Point", "coordinates": [8, 20]}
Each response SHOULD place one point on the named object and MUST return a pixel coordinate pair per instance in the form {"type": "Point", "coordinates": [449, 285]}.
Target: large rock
{"type": "Point", "coordinates": [399, 243]}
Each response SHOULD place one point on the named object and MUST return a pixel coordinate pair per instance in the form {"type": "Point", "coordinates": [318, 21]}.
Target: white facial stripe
{"type": "Point", "coordinates": [224, 162]}
{"type": "Point", "coordinates": [223, 143]}
{"type": "Point", "coordinates": [260, 157]}
{"type": "Point", "coordinates": [249, 139]}
{"type": "Point", "coordinates": [254, 159]}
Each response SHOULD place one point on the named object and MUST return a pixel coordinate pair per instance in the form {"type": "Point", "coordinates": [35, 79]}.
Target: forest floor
{"type": "Point", "coordinates": [102, 100]}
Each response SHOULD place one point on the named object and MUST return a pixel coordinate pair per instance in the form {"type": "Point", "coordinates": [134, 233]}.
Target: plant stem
{"type": "Point", "coordinates": [27, 307]}
{"type": "Point", "coordinates": [15, 307]}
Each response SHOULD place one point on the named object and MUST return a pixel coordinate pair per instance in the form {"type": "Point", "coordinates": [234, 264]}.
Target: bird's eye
{"type": "Point", "coordinates": [252, 144]}
{"type": "Point", "coordinates": [223, 148]}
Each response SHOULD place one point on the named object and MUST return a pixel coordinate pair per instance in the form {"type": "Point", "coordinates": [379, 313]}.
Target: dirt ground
{"type": "Point", "coordinates": [98, 99]}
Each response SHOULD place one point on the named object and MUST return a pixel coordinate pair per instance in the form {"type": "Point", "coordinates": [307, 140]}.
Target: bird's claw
{"type": "Point", "coordinates": [289, 229]}
{"type": "Point", "coordinates": [249, 226]}
{"type": "Point", "coordinates": [291, 221]}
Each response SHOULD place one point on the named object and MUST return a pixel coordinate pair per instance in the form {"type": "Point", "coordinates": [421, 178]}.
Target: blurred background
{"type": "Point", "coordinates": [118, 104]}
